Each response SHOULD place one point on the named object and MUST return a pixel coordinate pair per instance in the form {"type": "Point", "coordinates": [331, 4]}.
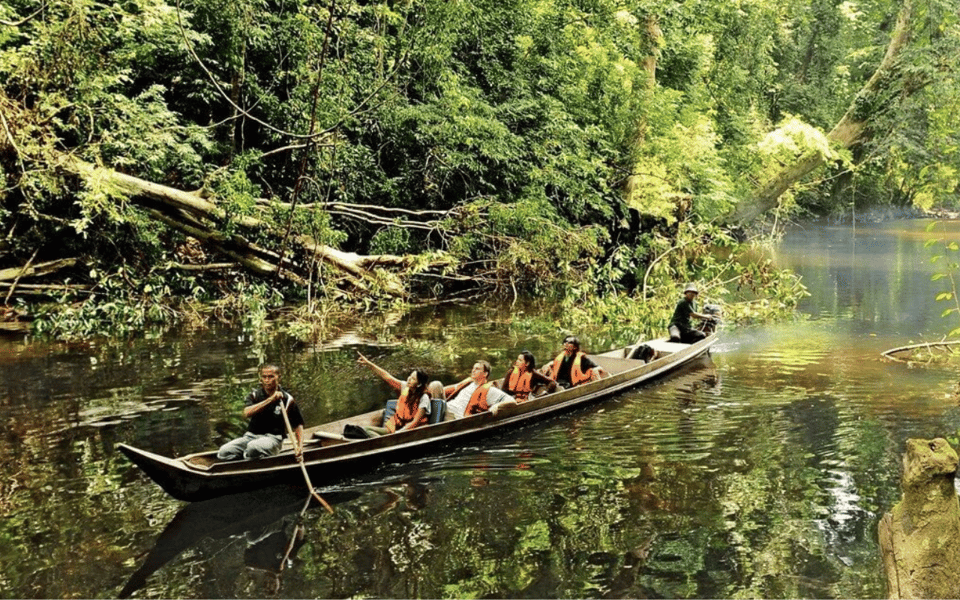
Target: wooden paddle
{"type": "Point", "coordinates": [293, 538]}
{"type": "Point", "coordinates": [303, 467]}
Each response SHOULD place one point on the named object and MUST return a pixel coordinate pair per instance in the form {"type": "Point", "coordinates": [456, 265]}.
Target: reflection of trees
{"type": "Point", "coordinates": [662, 491]}
{"type": "Point", "coordinates": [768, 515]}
{"type": "Point", "coordinates": [794, 529]}
{"type": "Point", "coordinates": [237, 545]}
{"type": "Point", "coordinates": [62, 531]}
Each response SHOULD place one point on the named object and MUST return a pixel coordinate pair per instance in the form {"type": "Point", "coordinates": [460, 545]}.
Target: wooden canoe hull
{"type": "Point", "coordinates": [201, 476]}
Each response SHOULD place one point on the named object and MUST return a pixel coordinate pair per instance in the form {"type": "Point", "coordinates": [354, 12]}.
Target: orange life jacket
{"type": "Point", "coordinates": [520, 384]}
{"type": "Point", "coordinates": [576, 375]}
{"type": "Point", "coordinates": [478, 401]}
{"type": "Point", "coordinates": [407, 407]}
{"type": "Point", "coordinates": [452, 390]}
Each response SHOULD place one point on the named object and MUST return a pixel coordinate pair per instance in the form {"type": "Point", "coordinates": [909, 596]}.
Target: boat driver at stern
{"type": "Point", "coordinates": [267, 427]}
{"type": "Point", "coordinates": [681, 327]}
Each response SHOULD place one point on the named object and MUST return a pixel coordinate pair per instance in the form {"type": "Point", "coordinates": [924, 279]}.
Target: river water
{"type": "Point", "coordinates": [760, 471]}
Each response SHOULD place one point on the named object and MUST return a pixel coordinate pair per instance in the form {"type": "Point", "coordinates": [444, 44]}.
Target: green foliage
{"type": "Point", "coordinates": [236, 193]}
{"type": "Point", "coordinates": [738, 277]}
{"type": "Point", "coordinates": [390, 240]}
{"type": "Point", "coordinates": [121, 313]}
{"type": "Point", "coordinates": [794, 138]}
{"type": "Point", "coordinates": [947, 257]}
{"type": "Point", "coordinates": [532, 252]}
{"type": "Point", "coordinates": [586, 146]}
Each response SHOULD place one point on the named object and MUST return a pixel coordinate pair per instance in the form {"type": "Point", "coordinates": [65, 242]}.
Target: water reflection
{"type": "Point", "coordinates": [265, 526]}
{"type": "Point", "coordinates": [759, 472]}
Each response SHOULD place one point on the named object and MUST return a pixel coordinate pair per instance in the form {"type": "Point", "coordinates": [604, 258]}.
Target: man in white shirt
{"type": "Point", "coordinates": [460, 394]}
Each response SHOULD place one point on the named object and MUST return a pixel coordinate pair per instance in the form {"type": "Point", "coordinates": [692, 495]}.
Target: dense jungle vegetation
{"type": "Point", "coordinates": [167, 161]}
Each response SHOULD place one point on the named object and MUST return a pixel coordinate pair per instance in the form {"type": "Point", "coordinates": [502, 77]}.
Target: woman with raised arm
{"type": "Point", "coordinates": [413, 404]}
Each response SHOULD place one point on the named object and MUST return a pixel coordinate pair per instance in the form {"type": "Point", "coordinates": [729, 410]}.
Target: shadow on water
{"type": "Point", "coordinates": [270, 521]}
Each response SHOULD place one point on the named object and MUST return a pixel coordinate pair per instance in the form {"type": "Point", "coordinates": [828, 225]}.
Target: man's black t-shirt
{"type": "Point", "coordinates": [270, 419]}
{"type": "Point", "coordinates": [683, 312]}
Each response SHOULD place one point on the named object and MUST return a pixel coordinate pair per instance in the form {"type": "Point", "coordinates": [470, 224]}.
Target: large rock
{"type": "Point", "coordinates": [920, 537]}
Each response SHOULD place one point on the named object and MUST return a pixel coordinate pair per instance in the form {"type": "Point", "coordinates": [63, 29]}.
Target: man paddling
{"type": "Point", "coordinates": [267, 428]}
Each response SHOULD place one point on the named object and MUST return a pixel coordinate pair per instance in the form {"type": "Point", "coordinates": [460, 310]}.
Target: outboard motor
{"type": "Point", "coordinates": [709, 326]}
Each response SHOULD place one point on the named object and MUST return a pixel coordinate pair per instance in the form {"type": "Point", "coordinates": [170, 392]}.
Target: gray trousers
{"type": "Point", "coordinates": [251, 445]}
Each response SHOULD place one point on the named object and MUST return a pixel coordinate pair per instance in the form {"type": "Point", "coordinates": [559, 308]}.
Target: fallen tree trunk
{"type": "Point", "coordinates": [303, 259]}
{"type": "Point", "coordinates": [46, 288]}
{"type": "Point", "coordinates": [37, 270]}
{"type": "Point", "coordinates": [198, 217]}
{"type": "Point", "coordinates": [849, 131]}
{"type": "Point", "coordinates": [247, 255]}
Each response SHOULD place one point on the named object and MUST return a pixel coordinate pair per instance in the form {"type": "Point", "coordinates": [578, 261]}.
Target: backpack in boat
{"type": "Point", "coordinates": [355, 432]}
{"type": "Point", "coordinates": [643, 352]}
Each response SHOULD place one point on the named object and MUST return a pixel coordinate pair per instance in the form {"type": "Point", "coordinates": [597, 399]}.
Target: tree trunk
{"type": "Point", "coordinates": [38, 270]}
{"type": "Point", "coordinates": [192, 215]}
{"type": "Point", "coordinates": [655, 41]}
{"type": "Point", "coordinates": [849, 131]}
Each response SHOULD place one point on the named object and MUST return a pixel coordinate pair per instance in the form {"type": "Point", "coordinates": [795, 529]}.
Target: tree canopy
{"type": "Point", "coordinates": [363, 150]}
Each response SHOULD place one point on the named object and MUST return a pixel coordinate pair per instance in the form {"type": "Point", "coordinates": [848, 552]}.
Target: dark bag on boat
{"type": "Point", "coordinates": [355, 432]}
{"type": "Point", "coordinates": [643, 352]}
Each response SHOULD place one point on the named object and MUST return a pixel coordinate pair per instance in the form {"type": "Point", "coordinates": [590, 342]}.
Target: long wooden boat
{"type": "Point", "coordinates": [329, 457]}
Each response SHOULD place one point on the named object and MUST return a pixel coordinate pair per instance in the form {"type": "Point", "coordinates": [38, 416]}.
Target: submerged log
{"type": "Point", "coordinates": [920, 537]}
{"type": "Point", "coordinates": [891, 353]}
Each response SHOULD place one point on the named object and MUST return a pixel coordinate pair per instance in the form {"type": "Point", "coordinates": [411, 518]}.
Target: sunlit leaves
{"type": "Point", "coordinates": [949, 268]}
{"type": "Point", "coordinates": [794, 138]}
{"type": "Point", "coordinates": [683, 166]}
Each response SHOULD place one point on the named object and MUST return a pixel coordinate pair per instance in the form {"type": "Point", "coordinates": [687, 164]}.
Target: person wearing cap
{"type": "Point", "coordinates": [572, 367]}
{"type": "Point", "coordinates": [681, 327]}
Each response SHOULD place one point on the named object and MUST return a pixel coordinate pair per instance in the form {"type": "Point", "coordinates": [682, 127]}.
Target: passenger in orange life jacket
{"type": "Point", "coordinates": [573, 367]}
{"type": "Point", "coordinates": [413, 407]}
{"type": "Point", "coordinates": [524, 378]}
{"type": "Point", "coordinates": [474, 394]}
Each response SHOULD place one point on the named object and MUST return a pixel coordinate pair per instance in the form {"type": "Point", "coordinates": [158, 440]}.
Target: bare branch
{"type": "Point", "coordinates": [13, 143]}
{"type": "Point", "coordinates": [206, 267]}
{"type": "Point", "coordinates": [24, 20]}
{"type": "Point", "coordinates": [24, 270]}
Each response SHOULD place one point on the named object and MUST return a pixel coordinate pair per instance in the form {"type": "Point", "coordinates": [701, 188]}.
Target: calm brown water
{"type": "Point", "coordinates": [758, 472]}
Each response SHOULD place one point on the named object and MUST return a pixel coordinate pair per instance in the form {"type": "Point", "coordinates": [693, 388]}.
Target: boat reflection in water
{"type": "Point", "coordinates": [266, 525]}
